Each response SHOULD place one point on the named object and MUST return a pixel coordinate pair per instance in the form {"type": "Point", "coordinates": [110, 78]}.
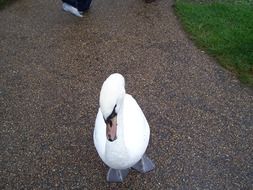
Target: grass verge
{"type": "Point", "coordinates": [224, 29]}
{"type": "Point", "coordinates": [3, 3]}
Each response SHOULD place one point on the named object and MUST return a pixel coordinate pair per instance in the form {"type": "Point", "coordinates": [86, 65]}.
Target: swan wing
{"type": "Point", "coordinates": [136, 128]}
{"type": "Point", "coordinates": [99, 134]}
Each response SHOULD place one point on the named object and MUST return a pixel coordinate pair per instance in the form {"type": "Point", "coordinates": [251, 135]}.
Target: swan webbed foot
{"type": "Point", "coordinates": [115, 175]}
{"type": "Point", "coordinates": [144, 165]}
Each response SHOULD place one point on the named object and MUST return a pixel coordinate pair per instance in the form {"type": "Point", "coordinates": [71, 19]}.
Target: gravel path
{"type": "Point", "coordinates": [52, 66]}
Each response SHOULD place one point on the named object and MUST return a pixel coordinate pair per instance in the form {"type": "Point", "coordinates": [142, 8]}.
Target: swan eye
{"type": "Point", "coordinates": [112, 115]}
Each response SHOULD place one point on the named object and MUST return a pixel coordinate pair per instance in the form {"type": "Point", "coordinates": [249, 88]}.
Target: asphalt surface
{"type": "Point", "coordinates": [52, 66]}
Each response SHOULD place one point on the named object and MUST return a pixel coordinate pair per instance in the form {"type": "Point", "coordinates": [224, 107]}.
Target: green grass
{"type": "Point", "coordinates": [224, 29]}
{"type": "Point", "coordinates": [3, 3]}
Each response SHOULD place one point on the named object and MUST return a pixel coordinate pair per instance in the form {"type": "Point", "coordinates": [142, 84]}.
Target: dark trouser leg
{"type": "Point", "coordinates": [149, 1]}
{"type": "Point", "coordinates": [83, 5]}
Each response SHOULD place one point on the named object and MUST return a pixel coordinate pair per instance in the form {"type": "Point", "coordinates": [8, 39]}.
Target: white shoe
{"type": "Point", "coordinates": [68, 8]}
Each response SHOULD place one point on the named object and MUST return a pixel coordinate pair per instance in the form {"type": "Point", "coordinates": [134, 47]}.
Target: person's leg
{"type": "Point", "coordinates": [149, 1]}
{"type": "Point", "coordinates": [83, 5]}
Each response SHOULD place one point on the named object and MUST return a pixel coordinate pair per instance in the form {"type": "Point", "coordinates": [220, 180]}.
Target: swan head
{"type": "Point", "coordinates": [111, 97]}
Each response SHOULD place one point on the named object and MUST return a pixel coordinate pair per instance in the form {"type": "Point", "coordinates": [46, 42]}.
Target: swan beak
{"type": "Point", "coordinates": [111, 129]}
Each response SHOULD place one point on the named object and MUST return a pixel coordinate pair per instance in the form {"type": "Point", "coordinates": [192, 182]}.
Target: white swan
{"type": "Point", "coordinates": [121, 133]}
